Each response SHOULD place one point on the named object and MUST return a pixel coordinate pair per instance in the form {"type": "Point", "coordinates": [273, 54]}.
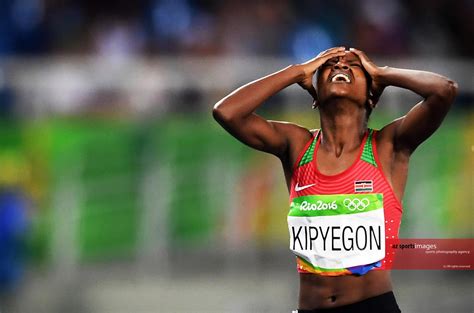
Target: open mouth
{"type": "Point", "coordinates": [341, 77]}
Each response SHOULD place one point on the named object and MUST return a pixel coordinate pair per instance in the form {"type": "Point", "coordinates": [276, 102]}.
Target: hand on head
{"type": "Point", "coordinates": [310, 67]}
{"type": "Point", "coordinates": [376, 88]}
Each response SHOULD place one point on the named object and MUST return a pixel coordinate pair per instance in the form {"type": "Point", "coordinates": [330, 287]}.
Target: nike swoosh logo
{"type": "Point", "coordinates": [299, 188]}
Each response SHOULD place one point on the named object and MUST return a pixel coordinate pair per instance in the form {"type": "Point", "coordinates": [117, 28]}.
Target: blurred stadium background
{"type": "Point", "coordinates": [119, 193]}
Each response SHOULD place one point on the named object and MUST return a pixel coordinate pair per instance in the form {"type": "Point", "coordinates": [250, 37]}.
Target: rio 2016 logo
{"type": "Point", "coordinates": [356, 204]}
{"type": "Point", "coordinates": [319, 205]}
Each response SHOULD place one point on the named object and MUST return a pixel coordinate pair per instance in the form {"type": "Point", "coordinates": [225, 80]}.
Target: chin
{"type": "Point", "coordinates": [334, 94]}
{"type": "Point", "coordinates": [338, 92]}
{"type": "Point", "coordinates": [344, 96]}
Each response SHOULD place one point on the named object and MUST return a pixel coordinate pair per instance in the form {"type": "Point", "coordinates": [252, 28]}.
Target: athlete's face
{"type": "Point", "coordinates": [342, 77]}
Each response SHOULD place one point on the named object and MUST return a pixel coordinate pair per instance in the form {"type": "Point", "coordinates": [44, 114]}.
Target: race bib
{"type": "Point", "coordinates": [337, 231]}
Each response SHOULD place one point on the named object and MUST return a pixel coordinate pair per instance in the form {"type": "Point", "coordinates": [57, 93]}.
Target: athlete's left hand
{"type": "Point", "coordinates": [375, 72]}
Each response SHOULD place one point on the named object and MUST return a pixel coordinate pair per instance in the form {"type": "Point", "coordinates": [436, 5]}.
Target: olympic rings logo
{"type": "Point", "coordinates": [356, 204]}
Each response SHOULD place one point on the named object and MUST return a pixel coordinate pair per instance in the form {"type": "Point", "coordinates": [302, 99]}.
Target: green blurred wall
{"type": "Point", "coordinates": [210, 178]}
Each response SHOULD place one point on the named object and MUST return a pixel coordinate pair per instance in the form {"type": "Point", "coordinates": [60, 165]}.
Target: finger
{"type": "Point", "coordinates": [331, 55]}
{"type": "Point", "coordinates": [340, 48]}
{"type": "Point", "coordinates": [319, 60]}
{"type": "Point", "coordinates": [332, 50]}
{"type": "Point", "coordinates": [360, 54]}
{"type": "Point", "coordinates": [327, 52]}
{"type": "Point", "coordinates": [356, 51]}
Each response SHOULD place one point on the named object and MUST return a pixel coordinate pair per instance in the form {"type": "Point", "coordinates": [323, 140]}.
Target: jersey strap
{"type": "Point", "coordinates": [368, 152]}
{"type": "Point", "coordinates": [308, 155]}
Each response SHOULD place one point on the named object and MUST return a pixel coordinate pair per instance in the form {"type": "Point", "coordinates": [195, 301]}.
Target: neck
{"type": "Point", "coordinates": [343, 126]}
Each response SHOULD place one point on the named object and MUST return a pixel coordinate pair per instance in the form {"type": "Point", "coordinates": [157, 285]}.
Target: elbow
{"type": "Point", "coordinates": [453, 89]}
{"type": "Point", "coordinates": [449, 91]}
{"type": "Point", "coordinates": [220, 114]}
{"type": "Point", "coordinates": [445, 93]}
{"type": "Point", "coordinates": [217, 113]}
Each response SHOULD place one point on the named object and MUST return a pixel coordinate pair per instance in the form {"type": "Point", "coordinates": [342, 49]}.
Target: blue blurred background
{"type": "Point", "coordinates": [119, 193]}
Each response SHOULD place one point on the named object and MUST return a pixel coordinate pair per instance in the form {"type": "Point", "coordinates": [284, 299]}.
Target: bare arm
{"type": "Point", "coordinates": [236, 111]}
{"type": "Point", "coordinates": [425, 117]}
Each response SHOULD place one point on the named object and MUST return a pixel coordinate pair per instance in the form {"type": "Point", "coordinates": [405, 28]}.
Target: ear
{"type": "Point", "coordinates": [312, 91]}
{"type": "Point", "coordinates": [375, 92]}
{"type": "Point", "coordinates": [372, 103]}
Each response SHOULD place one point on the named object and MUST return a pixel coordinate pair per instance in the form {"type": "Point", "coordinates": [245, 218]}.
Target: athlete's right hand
{"type": "Point", "coordinates": [310, 67]}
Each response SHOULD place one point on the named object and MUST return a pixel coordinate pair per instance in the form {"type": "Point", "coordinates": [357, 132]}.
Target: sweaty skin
{"type": "Point", "coordinates": [343, 115]}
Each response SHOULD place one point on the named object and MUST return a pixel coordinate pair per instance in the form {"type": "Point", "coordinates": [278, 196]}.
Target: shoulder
{"type": "Point", "coordinates": [292, 131]}
{"type": "Point", "coordinates": [297, 138]}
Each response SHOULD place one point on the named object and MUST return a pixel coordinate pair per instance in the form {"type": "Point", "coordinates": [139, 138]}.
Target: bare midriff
{"type": "Point", "coordinates": [318, 291]}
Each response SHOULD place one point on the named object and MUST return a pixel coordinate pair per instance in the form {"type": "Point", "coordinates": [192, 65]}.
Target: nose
{"type": "Point", "coordinates": [341, 65]}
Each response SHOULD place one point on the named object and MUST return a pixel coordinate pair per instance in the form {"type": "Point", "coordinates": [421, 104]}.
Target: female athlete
{"type": "Point", "coordinates": [345, 180]}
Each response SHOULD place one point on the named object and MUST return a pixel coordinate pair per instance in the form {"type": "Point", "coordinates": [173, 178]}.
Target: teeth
{"type": "Point", "coordinates": [339, 76]}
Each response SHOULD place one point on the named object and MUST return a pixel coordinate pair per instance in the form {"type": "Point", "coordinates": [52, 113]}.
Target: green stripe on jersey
{"type": "Point", "coordinates": [368, 153]}
{"type": "Point", "coordinates": [308, 156]}
{"type": "Point", "coordinates": [327, 205]}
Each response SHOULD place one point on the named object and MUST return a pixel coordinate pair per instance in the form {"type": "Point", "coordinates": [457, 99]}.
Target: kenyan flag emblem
{"type": "Point", "coordinates": [363, 186]}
